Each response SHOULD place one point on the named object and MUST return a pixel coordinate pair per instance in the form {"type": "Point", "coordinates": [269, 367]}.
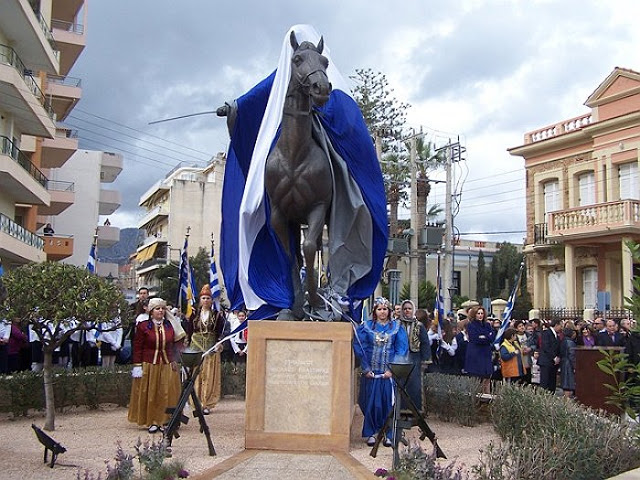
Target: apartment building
{"type": "Point", "coordinates": [583, 200]}
{"type": "Point", "coordinates": [40, 41]}
{"type": "Point", "coordinates": [187, 198]}
{"type": "Point", "coordinates": [91, 172]}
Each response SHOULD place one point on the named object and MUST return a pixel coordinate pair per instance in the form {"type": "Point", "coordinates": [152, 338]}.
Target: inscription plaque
{"type": "Point", "coordinates": [298, 386]}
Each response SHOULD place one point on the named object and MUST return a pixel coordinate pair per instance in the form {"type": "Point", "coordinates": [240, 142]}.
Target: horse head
{"type": "Point", "coordinates": [309, 69]}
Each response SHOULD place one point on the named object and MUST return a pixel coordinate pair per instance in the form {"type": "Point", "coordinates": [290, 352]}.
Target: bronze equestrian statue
{"type": "Point", "coordinates": [309, 181]}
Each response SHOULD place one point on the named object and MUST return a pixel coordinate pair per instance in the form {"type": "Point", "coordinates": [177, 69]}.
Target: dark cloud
{"type": "Point", "coordinates": [517, 66]}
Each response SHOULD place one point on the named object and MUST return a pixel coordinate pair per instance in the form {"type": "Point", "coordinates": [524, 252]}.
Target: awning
{"type": "Point", "coordinates": [146, 253]}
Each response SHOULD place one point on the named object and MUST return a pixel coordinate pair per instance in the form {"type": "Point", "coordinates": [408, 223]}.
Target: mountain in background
{"type": "Point", "coordinates": [119, 252]}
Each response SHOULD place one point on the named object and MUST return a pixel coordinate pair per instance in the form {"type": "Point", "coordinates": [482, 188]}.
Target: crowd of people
{"type": "Point", "coordinates": [472, 343]}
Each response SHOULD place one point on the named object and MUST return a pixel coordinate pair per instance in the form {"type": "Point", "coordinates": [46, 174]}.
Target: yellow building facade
{"type": "Point", "coordinates": [583, 201]}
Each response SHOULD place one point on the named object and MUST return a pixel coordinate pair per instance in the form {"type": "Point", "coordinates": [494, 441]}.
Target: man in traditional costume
{"type": "Point", "coordinates": [205, 330]}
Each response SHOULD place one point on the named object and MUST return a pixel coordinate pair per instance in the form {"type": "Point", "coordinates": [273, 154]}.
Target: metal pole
{"type": "Point", "coordinates": [447, 278]}
{"type": "Point", "coordinates": [413, 239]}
{"type": "Point", "coordinates": [378, 144]}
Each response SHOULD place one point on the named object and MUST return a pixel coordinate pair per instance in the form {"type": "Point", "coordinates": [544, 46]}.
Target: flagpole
{"type": "Point", "coordinates": [506, 315]}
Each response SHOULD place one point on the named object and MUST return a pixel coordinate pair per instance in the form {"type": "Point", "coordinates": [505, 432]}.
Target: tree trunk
{"type": "Point", "coordinates": [50, 407]}
{"type": "Point", "coordinates": [393, 230]}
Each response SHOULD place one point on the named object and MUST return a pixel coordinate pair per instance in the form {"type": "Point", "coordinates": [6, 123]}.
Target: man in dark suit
{"type": "Point", "coordinates": [549, 355]}
{"type": "Point", "coordinates": [611, 337]}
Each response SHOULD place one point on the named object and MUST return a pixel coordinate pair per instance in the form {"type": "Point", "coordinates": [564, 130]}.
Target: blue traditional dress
{"type": "Point", "coordinates": [377, 345]}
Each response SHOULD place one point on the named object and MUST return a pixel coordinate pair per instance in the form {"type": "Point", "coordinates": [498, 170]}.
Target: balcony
{"type": "Point", "coordinates": [19, 245]}
{"type": "Point", "coordinates": [28, 30]}
{"type": "Point", "coordinates": [551, 131]}
{"type": "Point", "coordinates": [110, 201]}
{"type": "Point", "coordinates": [108, 236]}
{"type": "Point", "coordinates": [56, 151]}
{"type": "Point", "coordinates": [71, 40]}
{"type": "Point", "coordinates": [611, 218]}
{"type": "Point", "coordinates": [66, 10]}
{"type": "Point", "coordinates": [156, 213]}
{"type": "Point", "coordinates": [19, 178]}
{"type": "Point", "coordinates": [62, 197]}
{"type": "Point", "coordinates": [32, 116]}
{"type": "Point", "coordinates": [58, 247]}
{"type": "Point", "coordinates": [110, 167]}
{"type": "Point", "coordinates": [64, 93]}
{"type": "Point", "coordinates": [150, 265]}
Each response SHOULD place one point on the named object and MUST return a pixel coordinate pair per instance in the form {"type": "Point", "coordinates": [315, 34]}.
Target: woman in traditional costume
{"type": "Point", "coordinates": [378, 342]}
{"type": "Point", "coordinates": [156, 381]}
{"type": "Point", "coordinates": [205, 330]}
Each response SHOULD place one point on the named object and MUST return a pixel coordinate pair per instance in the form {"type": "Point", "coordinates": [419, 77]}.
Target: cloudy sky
{"type": "Point", "coordinates": [483, 71]}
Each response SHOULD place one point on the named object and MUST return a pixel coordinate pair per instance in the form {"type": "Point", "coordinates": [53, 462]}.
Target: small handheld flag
{"type": "Point", "coordinates": [506, 315]}
{"type": "Point", "coordinates": [214, 282]}
{"type": "Point", "coordinates": [91, 261]}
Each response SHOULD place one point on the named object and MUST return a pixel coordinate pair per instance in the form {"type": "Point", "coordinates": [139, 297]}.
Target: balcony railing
{"type": "Point", "coordinates": [8, 148]}
{"type": "Point", "coordinates": [64, 132]}
{"type": "Point", "coordinates": [58, 186]}
{"type": "Point", "coordinates": [48, 34]}
{"type": "Point", "coordinates": [622, 213]}
{"type": "Point", "coordinates": [72, 27]}
{"type": "Point", "coordinates": [8, 56]}
{"type": "Point", "coordinates": [540, 236]}
{"type": "Point", "coordinates": [560, 128]}
{"type": "Point", "coordinates": [11, 228]}
{"type": "Point", "coordinates": [64, 80]}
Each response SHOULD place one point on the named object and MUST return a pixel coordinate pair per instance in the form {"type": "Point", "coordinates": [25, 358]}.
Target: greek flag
{"type": "Point", "coordinates": [506, 316]}
{"type": "Point", "coordinates": [186, 289]}
{"type": "Point", "coordinates": [91, 261]}
{"type": "Point", "coordinates": [214, 283]}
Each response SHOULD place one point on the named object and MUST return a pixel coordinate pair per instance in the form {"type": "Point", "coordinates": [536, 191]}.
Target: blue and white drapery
{"type": "Point", "coordinates": [256, 269]}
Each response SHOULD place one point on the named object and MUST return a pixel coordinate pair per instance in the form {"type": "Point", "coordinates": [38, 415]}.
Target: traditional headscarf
{"type": "Point", "coordinates": [179, 332]}
{"type": "Point", "coordinates": [412, 325]}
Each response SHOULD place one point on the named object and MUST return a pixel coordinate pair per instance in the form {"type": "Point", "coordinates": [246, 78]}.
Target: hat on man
{"type": "Point", "coordinates": [206, 291]}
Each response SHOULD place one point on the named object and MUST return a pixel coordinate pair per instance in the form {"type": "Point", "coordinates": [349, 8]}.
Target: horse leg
{"type": "Point", "coordinates": [312, 240]}
{"type": "Point", "coordinates": [280, 226]}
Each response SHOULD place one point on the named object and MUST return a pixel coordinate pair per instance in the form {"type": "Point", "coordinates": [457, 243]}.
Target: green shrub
{"type": "Point", "coordinates": [91, 387]}
{"type": "Point", "coordinates": [547, 437]}
{"type": "Point", "coordinates": [453, 398]}
{"type": "Point", "coordinates": [415, 463]}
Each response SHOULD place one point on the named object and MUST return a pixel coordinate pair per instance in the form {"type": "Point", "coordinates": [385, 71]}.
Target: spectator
{"type": "Point", "coordinates": [586, 338]}
{"type": "Point", "coordinates": [598, 325]}
{"type": "Point", "coordinates": [5, 333]}
{"type": "Point", "coordinates": [478, 362]}
{"type": "Point", "coordinates": [239, 340]}
{"type": "Point", "coordinates": [17, 342]}
{"type": "Point", "coordinates": [549, 358]}
{"type": "Point", "coordinates": [377, 343]}
{"type": "Point", "coordinates": [568, 363]}
{"type": "Point", "coordinates": [511, 356]}
{"type": "Point", "coordinates": [610, 337]}
{"type": "Point", "coordinates": [523, 339]}
{"type": "Point", "coordinates": [462, 340]}
{"type": "Point", "coordinates": [446, 351]}
{"type": "Point", "coordinates": [48, 230]}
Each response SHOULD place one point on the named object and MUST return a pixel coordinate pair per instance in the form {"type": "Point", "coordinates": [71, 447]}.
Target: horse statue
{"type": "Point", "coordinates": [298, 174]}
{"type": "Point", "coordinates": [300, 158]}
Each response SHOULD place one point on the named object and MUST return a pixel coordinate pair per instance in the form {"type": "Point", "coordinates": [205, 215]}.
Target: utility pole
{"type": "Point", "coordinates": [415, 228]}
{"type": "Point", "coordinates": [447, 271]}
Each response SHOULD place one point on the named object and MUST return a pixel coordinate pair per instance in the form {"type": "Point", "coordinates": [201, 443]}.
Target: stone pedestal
{"type": "Point", "coordinates": [299, 386]}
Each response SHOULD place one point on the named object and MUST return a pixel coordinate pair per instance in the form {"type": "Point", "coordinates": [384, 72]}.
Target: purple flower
{"type": "Point", "coordinates": [183, 473]}
{"type": "Point", "coordinates": [381, 472]}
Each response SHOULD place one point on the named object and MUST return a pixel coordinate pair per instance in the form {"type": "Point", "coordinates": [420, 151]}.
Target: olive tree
{"type": "Point", "coordinates": [55, 300]}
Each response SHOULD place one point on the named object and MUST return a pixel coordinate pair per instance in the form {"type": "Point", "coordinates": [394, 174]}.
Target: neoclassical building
{"type": "Point", "coordinates": [583, 200]}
